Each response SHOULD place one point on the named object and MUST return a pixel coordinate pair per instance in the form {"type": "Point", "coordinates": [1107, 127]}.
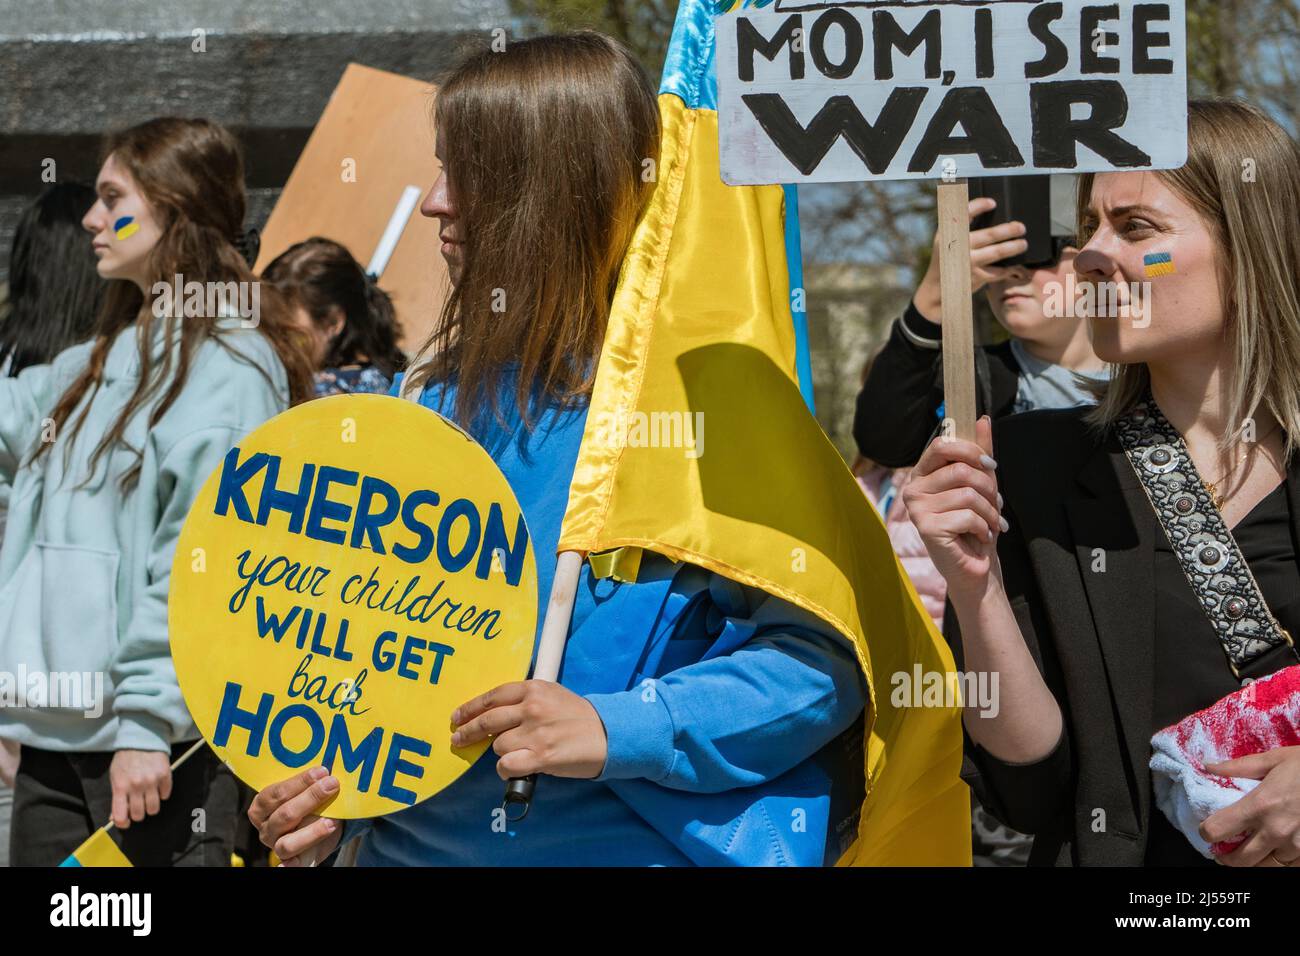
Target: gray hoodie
{"type": "Point", "coordinates": [85, 663]}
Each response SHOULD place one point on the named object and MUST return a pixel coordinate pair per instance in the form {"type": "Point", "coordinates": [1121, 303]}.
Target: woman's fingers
{"type": "Point", "coordinates": [961, 475]}
{"type": "Point", "coordinates": [956, 524]}
{"type": "Point", "coordinates": [1003, 232]}
{"type": "Point", "coordinates": [135, 800]}
{"type": "Point", "coordinates": [984, 435]}
{"type": "Point", "coordinates": [493, 722]}
{"type": "Point", "coordinates": [945, 449]}
{"type": "Point", "coordinates": [504, 695]}
{"type": "Point", "coordinates": [290, 814]}
{"type": "Point", "coordinates": [269, 800]}
{"type": "Point", "coordinates": [518, 763]}
{"type": "Point", "coordinates": [1253, 852]}
{"type": "Point", "coordinates": [121, 809]}
{"type": "Point", "coordinates": [313, 831]}
{"type": "Point", "coordinates": [979, 206]}
{"type": "Point", "coordinates": [1254, 766]}
{"type": "Point", "coordinates": [985, 257]}
{"type": "Point", "coordinates": [968, 500]}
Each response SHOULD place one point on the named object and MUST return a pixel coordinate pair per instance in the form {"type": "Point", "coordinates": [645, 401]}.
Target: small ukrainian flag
{"type": "Point", "coordinates": [1159, 264]}
{"type": "Point", "coordinates": [100, 850]}
{"type": "Point", "coordinates": [126, 227]}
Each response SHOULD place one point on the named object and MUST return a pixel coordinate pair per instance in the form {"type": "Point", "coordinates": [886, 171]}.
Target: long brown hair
{"type": "Point", "coordinates": [191, 172]}
{"type": "Point", "coordinates": [550, 149]}
{"type": "Point", "coordinates": [1243, 177]}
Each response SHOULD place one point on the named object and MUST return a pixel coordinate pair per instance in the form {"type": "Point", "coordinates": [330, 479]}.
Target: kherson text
{"type": "Point", "coordinates": [277, 601]}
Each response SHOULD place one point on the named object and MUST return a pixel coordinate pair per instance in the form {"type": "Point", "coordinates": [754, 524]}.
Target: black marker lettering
{"type": "Point", "coordinates": [848, 23]}
{"type": "Point", "coordinates": [1056, 133]}
{"type": "Point", "coordinates": [805, 147]}
{"type": "Point", "coordinates": [1091, 60]}
{"type": "Point", "coordinates": [749, 41]}
{"type": "Point", "coordinates": [1055, 56]}
{"type": "Point", "coordinates": [984, 67]}
{"type": "Point", "coordinates": [1144, 39]}
{"type": "Point", "coordinates": [887, 34]}
{"type": "Point", "coordinates": [986, 134]}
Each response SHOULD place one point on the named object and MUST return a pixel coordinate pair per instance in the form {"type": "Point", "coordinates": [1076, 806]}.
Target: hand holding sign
{"type": "Point", "coordinates": [286, 815]}
{"type": "Point", "coordinates": [536, 727]}
{"type": "Point", "coordinates": [356, 569]}
{"type": "Point", "coordinates": [952, 498]}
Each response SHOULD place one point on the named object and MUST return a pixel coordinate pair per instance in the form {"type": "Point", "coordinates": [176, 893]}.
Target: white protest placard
{"type": "Point", "coordinates": [822, 92]}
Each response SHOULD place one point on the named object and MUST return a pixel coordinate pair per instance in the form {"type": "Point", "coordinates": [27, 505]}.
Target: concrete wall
{"type": "Point", "coordinates": [72, 69]}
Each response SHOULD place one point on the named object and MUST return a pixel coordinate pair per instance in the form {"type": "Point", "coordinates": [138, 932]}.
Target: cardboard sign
{"type": "Point", "coordinates": [817, 92]}
{"type": "Point", "coordinates": [374, 141]}
{"type": "Point", "coordinates": [356, 569]}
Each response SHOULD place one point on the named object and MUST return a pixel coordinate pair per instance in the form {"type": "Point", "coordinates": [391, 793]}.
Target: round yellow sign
{"type": "Point", "coordinates": [355, 569]}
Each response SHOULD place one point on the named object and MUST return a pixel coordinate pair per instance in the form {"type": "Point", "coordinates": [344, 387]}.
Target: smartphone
{"type": "Point", "coordinates": [1044, 203]}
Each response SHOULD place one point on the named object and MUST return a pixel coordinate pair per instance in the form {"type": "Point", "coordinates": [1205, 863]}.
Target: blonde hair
{"type": "Point", "coordinates": [1255, 222]}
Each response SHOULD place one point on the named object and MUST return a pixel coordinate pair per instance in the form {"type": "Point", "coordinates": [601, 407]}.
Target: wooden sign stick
{"type": "Point", "coordinates": [958, 329]}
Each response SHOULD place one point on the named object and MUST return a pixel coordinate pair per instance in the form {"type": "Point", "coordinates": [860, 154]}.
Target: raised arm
{"type": "Point", "coordinates": [1022, 748]}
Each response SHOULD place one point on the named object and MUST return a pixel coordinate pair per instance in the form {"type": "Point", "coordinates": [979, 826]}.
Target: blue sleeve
{"type": "Point", "coordinates": [740, 719]}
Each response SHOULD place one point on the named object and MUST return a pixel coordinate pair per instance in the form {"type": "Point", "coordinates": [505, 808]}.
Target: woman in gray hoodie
{"type": "Point", "coordinates": [105, 449]}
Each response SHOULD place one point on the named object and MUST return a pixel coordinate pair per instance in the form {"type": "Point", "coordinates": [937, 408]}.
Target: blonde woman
{"type": "Point", "coordinates": [1050, 528]}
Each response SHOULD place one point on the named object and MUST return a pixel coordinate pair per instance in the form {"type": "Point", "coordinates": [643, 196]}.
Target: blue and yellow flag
{"type": "Point", "coordinates": [100, 850]}
{"type": "Point", "coordinates": [701, 331]}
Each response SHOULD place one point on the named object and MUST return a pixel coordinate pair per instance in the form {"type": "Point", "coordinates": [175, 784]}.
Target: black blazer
{"type": "Point", "coordinates": [1072, 500]}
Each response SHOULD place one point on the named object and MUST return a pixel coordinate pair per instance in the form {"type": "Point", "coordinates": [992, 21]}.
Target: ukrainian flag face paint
{"type": "Point", "coordinates": [122, 226]}
{"type": "Point", "coordinates": [1158, 264]}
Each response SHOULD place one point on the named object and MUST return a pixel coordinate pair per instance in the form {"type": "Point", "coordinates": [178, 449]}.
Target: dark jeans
{"type": "Point", "coordinates": [60, 799]}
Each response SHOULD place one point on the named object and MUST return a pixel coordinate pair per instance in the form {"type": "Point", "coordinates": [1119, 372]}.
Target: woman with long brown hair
{"type": "Point", "coordinates": [690, 712]}
{"type": "Point", "coordinates": [1124, 567]}
{"type": "Point", "coordinates": [105, 449]}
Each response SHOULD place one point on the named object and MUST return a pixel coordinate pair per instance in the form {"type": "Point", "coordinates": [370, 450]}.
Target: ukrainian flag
{"type": "Point", "coordinates": [702, 323]}
{"type": "Point", "coordinates": [99, 850]}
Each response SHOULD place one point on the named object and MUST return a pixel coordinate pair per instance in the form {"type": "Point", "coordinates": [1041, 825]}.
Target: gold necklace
{"type": "Point", "coordinates": [1213, 486]}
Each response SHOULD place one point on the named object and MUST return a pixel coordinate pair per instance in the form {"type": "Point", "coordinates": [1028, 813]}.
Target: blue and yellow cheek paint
{"type": "Point", "coordinates": [126, 227]}
{"type": "Point", "coordinates": [1158, 264]}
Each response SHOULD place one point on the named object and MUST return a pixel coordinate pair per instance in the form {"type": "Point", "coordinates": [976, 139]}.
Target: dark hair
{"type": "Point", "coordinates": [54, 290]}
{"type": "Point", "coordinates": [191, 172]}
{"type": "Point", "coordinates": [321, 275]}
{"type": "Point", "coordinates": [547, 146]}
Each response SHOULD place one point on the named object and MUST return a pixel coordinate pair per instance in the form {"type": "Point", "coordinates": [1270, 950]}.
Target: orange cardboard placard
{"type": "Point", "coordinates": [374, 140]}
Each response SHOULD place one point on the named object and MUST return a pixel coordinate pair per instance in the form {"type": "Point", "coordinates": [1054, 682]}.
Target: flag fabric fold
{"type": "Point", "coordinates": [699, 446]}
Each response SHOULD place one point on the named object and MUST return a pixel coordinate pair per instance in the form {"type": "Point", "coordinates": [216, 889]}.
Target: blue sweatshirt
{"type": "Point", "coordinates": [729, 714]}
